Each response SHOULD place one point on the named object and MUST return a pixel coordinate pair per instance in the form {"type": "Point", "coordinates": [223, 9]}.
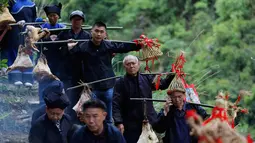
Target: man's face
{"type": "Point", "coordinates": [98, 33]}
{"type": "Point", "coordinates": [76, 22]}
{"type": "Point", "coordinates": [53, 18]}
{"type": "Point", "coordinates": [177, 99]}
{"type": "Point", "coordinates": [55, 113]}
{"type": "Point", "coordinates": [93, 118]}
{"type": "Point", "coordinates": [132, 66]}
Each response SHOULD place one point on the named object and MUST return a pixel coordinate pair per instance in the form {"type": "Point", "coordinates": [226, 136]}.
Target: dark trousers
{"type": "Point", "coordinates": [132, 135]}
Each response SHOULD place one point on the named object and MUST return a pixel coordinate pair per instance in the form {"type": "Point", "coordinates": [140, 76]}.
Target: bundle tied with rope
{"type": "Point", "coordinates": [219, 127]}
{"type": "Point", "coordinates": [42, 71]}
{"type": "Point", "coordinates": [84, 96]}
{"type": "Point", "coordinates": [5, 19]}
{"type": "Point", "coordinates": [22, 60]}
{"type": "Point", "coordinates": [5, 16]}
{"type": "Point", "coordinates": [150, 50]}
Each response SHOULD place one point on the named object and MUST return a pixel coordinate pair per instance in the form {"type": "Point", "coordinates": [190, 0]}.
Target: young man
{"type": "Point", "coordinates": [96, 130]}
{"type": "Point", "coordinates": [172, 121]}
{"type": "Point", "coordinates": [128, 114]}
{"type": "Point", "coordinates": [54, 126]}
{"type": "Point", "coordinates": [97, 62]}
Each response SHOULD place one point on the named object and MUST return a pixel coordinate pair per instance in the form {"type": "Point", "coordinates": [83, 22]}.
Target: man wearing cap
{"type": "Point", "coordinates": [96, 129]}
{"type": "Point", "coordinates": [54, 126]}
{"type": "Point", "coordinates": [171, 119]}
{"type": "Point", "coordinates": [128, 114]}
{"type": "Point", "coordinates": [70, 67]}
{"type": "Point", "coordinates": [96, 55]}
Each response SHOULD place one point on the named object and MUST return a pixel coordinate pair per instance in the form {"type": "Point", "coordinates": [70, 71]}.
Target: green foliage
{"type": "Point", "coordinates": [3, 63]}
{"type": "Point", "coordinates": [218, 37]}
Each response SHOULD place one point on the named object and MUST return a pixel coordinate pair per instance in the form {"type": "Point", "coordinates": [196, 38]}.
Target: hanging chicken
{"type": "Point", "coordinates": [42, 71]}
{"type": "Point", "coordinates": [148, 135]}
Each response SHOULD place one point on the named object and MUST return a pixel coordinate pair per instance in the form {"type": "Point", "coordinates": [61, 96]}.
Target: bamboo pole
{"type": "Point", "coordinates": [81, 40]}
{"type": "Point", "coordinates": [85, 28]}
{"type": "Point", "coordinates": [27, 23]}
{"type": "Point", "coordinates": [161, 100]}
{"type": "Point", "coordinates": [105, 79]}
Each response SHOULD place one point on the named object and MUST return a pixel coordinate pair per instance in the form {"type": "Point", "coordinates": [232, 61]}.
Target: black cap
{"type": "Point", "coordinates": [77, 13]}
{"type": "Point", "coordinates": [54, 96]}
{"type": "Point", "coordinates": [53, 9]}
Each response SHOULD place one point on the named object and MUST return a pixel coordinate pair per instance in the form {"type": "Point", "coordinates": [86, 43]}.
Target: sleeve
{"type": "Point", "coordinates": [36, 134]}
{"type": "Point", "coordinates": [117, 47]}
{"type": "Point", "coordinates": [201, 111]}
{"type": "Point", "coordinates": [121, 138]}
{"type": "Point", "coordinates": [117, 102]}
{"type": "Point", "coordinates": [162, 123]}
{"type": "Point", "coordinates": [34, 14]}
{"type": "Point", "coordinates": [164, 83]}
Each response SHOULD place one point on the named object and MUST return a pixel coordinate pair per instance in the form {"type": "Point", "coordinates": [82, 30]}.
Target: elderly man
{"type": "Point", "coordinates": [96, 130]}
{"type": "Point", "coordinates": [54, 125]}
{"type": "Point", "coordinates": [172, 118]}
{"type": "Point", "coordinates": [128, 114]}
{"type": "Point", "coordinates": [97, 62]}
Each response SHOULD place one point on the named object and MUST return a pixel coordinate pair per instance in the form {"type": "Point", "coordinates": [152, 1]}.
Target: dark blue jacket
{"type": "Point", "coordinates": [130, 112]}
{"type": "Point", "coordinates": [97, 60]}
{"type": "Point", "coordinates": [110, 135]}
{"type": "Point", "coordinates": [69, 67]}
{"type": "Point", "coordinates": [51, 53]}
{"type": "Point", "coordinates": [174, 124]}
{"type": "Point", "coordinates": [45, 131]}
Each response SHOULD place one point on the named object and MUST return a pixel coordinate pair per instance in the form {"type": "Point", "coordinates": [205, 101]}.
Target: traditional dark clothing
{"type": "Point", "coordinates": [45, 130]}
{"type": "Point", "coordinates": [97, 64]}
{"type": "Point", "coordinates": [110, 134]}
{"type": "Point", "coordinates": [129, 112]}
{"type": "Point", "coordinates": [174, 124]}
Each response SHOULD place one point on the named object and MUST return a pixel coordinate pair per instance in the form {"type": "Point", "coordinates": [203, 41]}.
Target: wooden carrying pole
{"type": "Point", "coordinates": [161, 100]}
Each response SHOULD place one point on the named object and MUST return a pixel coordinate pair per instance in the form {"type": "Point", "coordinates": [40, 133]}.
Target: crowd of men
{"type": "Point", "coordinates": [110, 116]}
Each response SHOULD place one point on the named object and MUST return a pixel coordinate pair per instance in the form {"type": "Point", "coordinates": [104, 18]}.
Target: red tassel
{"type": "Point", "coordinates": [191, 113]}
{"type": "Point", "coordinates": [158, 82]}
{"type": "Point", "coordinates": [249, 139]}
{"type": "Point", "coordinates": [147, 66]}
{"type": "Point", "coordinates": [245, 111]}
{"type": "Point", "coordinates": [238, 99]}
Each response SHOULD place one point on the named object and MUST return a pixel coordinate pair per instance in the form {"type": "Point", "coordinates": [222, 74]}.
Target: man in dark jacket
{"type": "Point", "coordinates": [127, 114]}
{"type": "Point", "coordinates": [96, 130]}
{"type": "Point", "coordinates": [69, 68]}
{"type": "Point", "coordinates": [97, 62]}
{"type": "Point", "coordinates": [54, 126]}
{"type": "Point", "coordinates": [171, 119]}
{"type": "Point", "coordinates": [53, 86]}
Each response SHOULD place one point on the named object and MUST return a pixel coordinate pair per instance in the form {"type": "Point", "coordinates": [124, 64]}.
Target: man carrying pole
{"type": "Point", "coordinates": [97, 55]}
{"type": "Point", "coordinates": [128, 114]}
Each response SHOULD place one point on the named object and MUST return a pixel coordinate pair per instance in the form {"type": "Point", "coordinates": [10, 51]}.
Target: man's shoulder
{"type": "Point", "coordinates": [112, 130]}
